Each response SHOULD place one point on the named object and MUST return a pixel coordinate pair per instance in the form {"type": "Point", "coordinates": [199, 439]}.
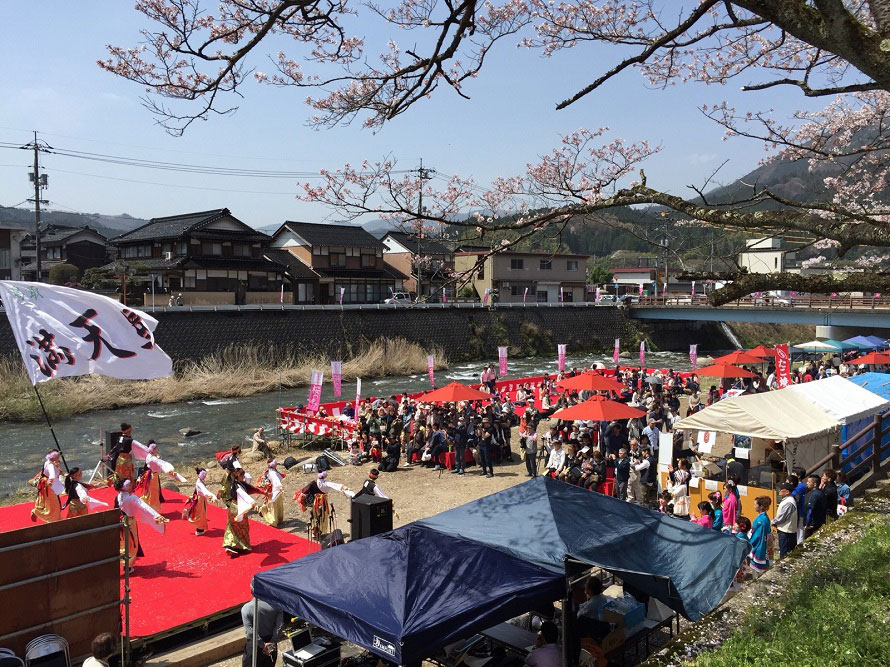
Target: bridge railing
{"type": "Point", "coordinates": [808, 301]}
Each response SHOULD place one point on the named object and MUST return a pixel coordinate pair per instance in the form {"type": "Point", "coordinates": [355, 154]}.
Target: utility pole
{"type": "Point", "coordinates": [423, 174]}
{"type": "Point", "coordinates": [40, 181]}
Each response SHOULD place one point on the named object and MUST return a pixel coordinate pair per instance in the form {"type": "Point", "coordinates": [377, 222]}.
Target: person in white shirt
{"type": "Point", "coordinates": [135, 508]}
{"type": "Point", "coordinates": [557, 460]}
{"type": "Point", "coordinates": [196, 508]}
{"type": "Point", "coordinates": [49, 485]}
{"type": "Point", "coordinates": [102, 648]}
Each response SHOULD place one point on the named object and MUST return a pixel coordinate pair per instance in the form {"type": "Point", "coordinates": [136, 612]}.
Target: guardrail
{"type": "Point", "coordinates": [369, 306]}
{"type": "Point", "coordinates": [817, 302]}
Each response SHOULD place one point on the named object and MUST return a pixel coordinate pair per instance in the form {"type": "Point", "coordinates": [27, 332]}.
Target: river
{"type": "Point", "coordinates": [223, 422]}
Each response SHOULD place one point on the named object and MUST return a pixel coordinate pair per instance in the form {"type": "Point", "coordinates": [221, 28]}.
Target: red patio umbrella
{"type": "Point", "coordinates": [591, 381]}
{"type": "Point", "coordinates": [598, 409]}
{"type": "Point", "coordinates": [725, 371]}
{"type": "Point", "coordinates": [454, 392]}
{"type": "Point", "coordinates": [762, 351]}
{"type": "Point", "coordinates": [871, 359]}
{"type": "Point", "coordinates": [737, 357]}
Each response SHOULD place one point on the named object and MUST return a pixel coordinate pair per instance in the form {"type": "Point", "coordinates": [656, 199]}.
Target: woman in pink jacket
{"type": "Point", "coordinates": [730, 506]}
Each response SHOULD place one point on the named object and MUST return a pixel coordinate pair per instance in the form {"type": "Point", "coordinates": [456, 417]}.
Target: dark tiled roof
{"type": "Point", "coordinates": [59, 234]}
{"type": "Point", "coordinates": [147, 262]}
{"type": "Point", "coordinates": [427, 246]}
{"type": "Point", "coordinates": [316, 234]}
{"type": "Point", "coordinates": [295, 268]}
{"type": "Point", "coordinates": [394, 272]}
{"type": "Point", "coordinates": [175, 226]}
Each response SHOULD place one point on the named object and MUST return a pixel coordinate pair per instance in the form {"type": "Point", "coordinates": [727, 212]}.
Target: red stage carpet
{"type": "Point", "coordinates": [182, 577]}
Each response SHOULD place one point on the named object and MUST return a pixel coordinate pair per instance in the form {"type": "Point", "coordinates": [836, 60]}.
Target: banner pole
{"type": "Point", "coordinates": [50, 424]}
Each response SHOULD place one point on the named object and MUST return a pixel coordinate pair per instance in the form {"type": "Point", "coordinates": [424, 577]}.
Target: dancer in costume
{"type": "Point", "coordinates": [79, 502]}
{"type": "Point", "coordinates": [230, 461]}
{"type": "Point", "coordinates": [120, 457]}
{"type": "Point", "coordinates": [236, 494]}
{"type": "Point", "coordinates": [196, 508]}
{"type": "Point", "coordinates": [149, 484]}
{"type": "Point", "coordinates": [135, 509]}
{"type": "Point", "coordinates": [313, 497]}
{"type": "Point", "coordinates": [271, 483]}
{"type": "Point", "coordinates": [49, 485]}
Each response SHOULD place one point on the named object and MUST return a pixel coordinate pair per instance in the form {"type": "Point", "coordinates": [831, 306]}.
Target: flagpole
{"type": "Point", "coordinates": [50, 424]}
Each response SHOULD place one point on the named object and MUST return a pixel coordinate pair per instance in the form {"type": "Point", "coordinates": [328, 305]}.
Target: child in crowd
{"type": "Point", "coordinates": [664, 502]}
{"type": "Point", "coordinates": [717, 503]}
{"type": "Point", "coordinates": [761, 536]}
{"type": "Point", "coordinates": [705, 515]}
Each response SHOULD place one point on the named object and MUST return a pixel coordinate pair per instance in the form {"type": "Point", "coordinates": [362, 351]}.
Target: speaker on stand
{"type": "Point", "coordinates": [370, 515]}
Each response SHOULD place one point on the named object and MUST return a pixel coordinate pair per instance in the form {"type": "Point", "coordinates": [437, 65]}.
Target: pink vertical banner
{"type": "Point", "coordinates": [315, 380]}
{"type": "Point", "coordinates": [560, 294]}
{"type": "Point", "coordinates": [693, 356]}
{"type": "Point", "coordinates": [358, 394]}
{"type": "Point", "coordinates": [783, 366]}
{"type": "Point", "coordinates": [502, 361]}
{"type": "Point", "coordinates": [561, 357]}
{"type": "Point", "coordinates": [641, 289]}
{"type": "Point", "coordinates": [430, 368]}
{"type": "Point", "coordinates": [525, 295]}
{"type": "Point", "coordinates": [693, 288]}
{"type": "Point", "coordinates": [642, 354]}
{"type": "Point", "coordinates": [485, 296]}
{"type": "Point", "coordinates": [444, 296]}
{"type": "Point", "coordinates": [342, 292]}
{"type": "Point", "coordinates": [596, 294]}
{"type": "Point", "coordinates": [617, 351]}
{"type": "Point", "coordinates": [337, 377]}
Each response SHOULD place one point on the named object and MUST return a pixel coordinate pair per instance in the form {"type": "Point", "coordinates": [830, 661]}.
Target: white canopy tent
{"type": "Point", "coordinates": [841, 399]}
{"type": "Point", "coordinates": [807, 431]}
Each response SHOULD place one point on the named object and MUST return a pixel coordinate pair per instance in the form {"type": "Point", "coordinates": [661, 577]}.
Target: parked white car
{"type": "Point", "coordinates": [399, 299]}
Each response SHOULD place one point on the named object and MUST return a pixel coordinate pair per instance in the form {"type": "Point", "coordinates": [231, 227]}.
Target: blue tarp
{"type": "Point", "coordinates": [687, 567]}
{"type": "Point", "coordinates": [879, 343]}
{"type": "Point", "coordinates": [407, 593]}
{"type": "Point", "coordinates": [876, 383]}
{"type": "Point", "coordinates": [863, 343]}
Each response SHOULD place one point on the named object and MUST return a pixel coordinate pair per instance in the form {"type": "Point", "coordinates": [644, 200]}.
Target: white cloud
{"type": "Point", "coordinates": [701, 158]}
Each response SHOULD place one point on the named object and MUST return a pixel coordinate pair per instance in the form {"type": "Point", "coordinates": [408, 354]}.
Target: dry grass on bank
{"type": "Point", "coordinates": [233, 372]}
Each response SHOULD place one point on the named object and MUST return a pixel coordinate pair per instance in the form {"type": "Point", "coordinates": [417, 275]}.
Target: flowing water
{"type": "Point", "coordinates": [225, 421]}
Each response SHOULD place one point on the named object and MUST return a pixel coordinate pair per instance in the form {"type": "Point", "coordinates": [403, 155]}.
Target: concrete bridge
{"type": "Point", "coordinates": [839, 315]}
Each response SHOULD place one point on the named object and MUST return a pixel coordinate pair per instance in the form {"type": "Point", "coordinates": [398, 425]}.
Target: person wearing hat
{"type": "Point", "coordinates": [786, 519]}
{"type": "Point", "coordinates": [369, 487]}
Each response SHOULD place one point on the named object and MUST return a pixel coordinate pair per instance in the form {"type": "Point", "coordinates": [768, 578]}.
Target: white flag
{"type": "Point", "coordinates": [62, 331]}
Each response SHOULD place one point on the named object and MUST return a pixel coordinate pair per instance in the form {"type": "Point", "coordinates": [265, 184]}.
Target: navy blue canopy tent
{"type": "Point", "coordinates": [544, 521]}
{"type": "Point", "coordinates": [407, 593]}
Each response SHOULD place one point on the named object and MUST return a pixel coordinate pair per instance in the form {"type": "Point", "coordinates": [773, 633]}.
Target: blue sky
{"type": "Point", "coordinates": [50, 83]}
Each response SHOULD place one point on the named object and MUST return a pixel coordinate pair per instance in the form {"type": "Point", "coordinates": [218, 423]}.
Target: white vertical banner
{"type": "Point", "coordinates": [502, 361]}
{"type": "Point", "coordinates": [561, 356]}
{"type": "Point", "coordinates": [358, 394]}
{"type": "Point", "coordinates": [693, 288]}
{"type": "Point", "coordinates": [525, 295]}
{"type": "Point", "coordinates": [62, 332]}
{"type": "Point", "coordinates": [337, 377]}
{"type": "Point", "coordinates": [693, 356]}
{"type": "Point", "coordinates": [342, 292]}
{"type": "Point", "coordinates": [596, 294]}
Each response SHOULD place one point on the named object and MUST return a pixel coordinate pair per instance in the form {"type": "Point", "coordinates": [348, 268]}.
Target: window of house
{"type": "Point", "coordinates": [54, 253]}
{"type": "Point", "coordinates": [517, 290]}
{"type": "Point", "coordinates": [572, 265]}
{"type": "Point", "coordinates": [369, 261]}
{"type": "Point", "coordinates": [776, 263]}
{"type": "Point", "coordinates": [542, 296]}
{"type": "Point", "coordinates": [338, 258]}
{"type": "Point", "coordinates": [241, 250]}
{"type": "Point", "coordinates": [211, 248]}
{"type": "Point", "coordinates": [517, 264]}
{"type": "Point", "coordinates": [546, 264]}
{"type": "Point", "coordinates": [128, 251]}
{"type": "Point", "coordinates": [480, 275]}
{"type": "Point", "coordinates": [181, 248]}
{"type": "Point", "coordinates": [143, 251]}
{"type": "Point", "coordinates": [4, 258]}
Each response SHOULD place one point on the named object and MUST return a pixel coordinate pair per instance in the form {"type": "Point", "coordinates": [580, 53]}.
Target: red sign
{"type": "Point", "coordinates": [783, 366]}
